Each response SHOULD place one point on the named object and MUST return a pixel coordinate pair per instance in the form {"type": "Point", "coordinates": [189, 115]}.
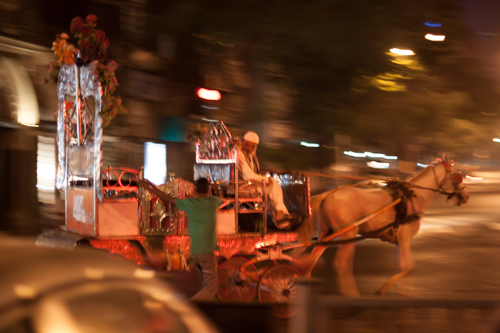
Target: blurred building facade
{"type": "Point", "coordinates": [158, 77]}
{"type": "Point", "coordinates": [27, 107]}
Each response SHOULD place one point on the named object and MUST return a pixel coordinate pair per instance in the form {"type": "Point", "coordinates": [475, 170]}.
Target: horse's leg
{"type": "Point", "coordinates": [406, 265]}
{"type": "Point", "coordinates": [313, 259]}
{"type": "Point", "coordinates": [343, 264]}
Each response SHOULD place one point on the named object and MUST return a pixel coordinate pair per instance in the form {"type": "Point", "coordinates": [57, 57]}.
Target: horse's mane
{"type": "Point", "coordinates": [422, 173]}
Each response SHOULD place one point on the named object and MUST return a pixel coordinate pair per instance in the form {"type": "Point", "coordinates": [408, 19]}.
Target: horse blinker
{"type": "Point", "coordinates": [457, 178]}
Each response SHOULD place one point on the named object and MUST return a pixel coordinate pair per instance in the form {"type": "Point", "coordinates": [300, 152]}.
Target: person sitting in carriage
{"type": "Point", "coordinates": [249, 168]}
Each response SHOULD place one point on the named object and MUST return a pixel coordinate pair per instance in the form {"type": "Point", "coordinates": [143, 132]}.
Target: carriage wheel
{"type": "Point", "coordinates": [278, 284]}
{"type": "Point", "coordinates": [234, 286]}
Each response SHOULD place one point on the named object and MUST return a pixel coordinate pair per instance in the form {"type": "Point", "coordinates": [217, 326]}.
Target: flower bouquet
{"type": "Point", "coordinates": [91, 49]}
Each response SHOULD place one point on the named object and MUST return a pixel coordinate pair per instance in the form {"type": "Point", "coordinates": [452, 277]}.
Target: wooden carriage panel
{"type": "Point", "coordinates": [224, 222]}
{"type": "Point", "coordinates": [80, 211]}
{"type": "Point", "coordinates": [118, 218]}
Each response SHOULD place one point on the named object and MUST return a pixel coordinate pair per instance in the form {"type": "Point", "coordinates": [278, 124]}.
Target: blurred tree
{"type": "Point", "coordinates": [324, 65]}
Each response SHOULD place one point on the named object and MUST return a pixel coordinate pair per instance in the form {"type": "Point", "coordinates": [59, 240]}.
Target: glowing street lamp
{"type": "Point", "coordinates": [402, 52]}
{"type": "Point", "coordinates": [435, 38]}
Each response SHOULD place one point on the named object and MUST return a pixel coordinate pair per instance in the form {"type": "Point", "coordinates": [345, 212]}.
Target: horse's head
{"type": "Point", "coordinates": [451, 183]}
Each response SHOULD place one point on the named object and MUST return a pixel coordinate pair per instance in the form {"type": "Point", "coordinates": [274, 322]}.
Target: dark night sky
{"type": "Point", "coordinates": [482, 15]}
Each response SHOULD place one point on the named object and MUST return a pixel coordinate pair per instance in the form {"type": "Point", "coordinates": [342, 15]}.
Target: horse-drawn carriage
{"type": "Point", "coordinates": [106, 209]}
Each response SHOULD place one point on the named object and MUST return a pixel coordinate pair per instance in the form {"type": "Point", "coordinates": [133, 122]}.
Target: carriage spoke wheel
{"type": "Point", "coordinates": [278, 284]}
{"type": "Point", "coordinates": [234, 286]}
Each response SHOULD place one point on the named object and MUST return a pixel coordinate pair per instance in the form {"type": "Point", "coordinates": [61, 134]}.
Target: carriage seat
{"type": "Point", "coordinates": [245, 190]}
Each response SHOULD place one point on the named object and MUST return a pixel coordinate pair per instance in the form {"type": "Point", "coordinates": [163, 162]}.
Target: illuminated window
{"type": "Point", "coordinates": [46, 170]}
{"type": "Point", "coordinates": [155, 162]}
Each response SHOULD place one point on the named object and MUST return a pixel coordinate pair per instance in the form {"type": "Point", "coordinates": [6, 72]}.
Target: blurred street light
{"type": "Point", "coordinates": [435, 38]}
{"type": "Point", "coordinates": [378, 165]}
{"type": "Point", "coordinates": [402, 52]}
{"type": "Point", "coordinates": [370, 154]}
{"type": "Point", "coordinates": [496, 140]}
{"type": "Point", "coordinates": [209, 95]}
{"type": "Point", "coordinates": [307, 144]}
{"type": "Point", "coordinates": [433, 24]}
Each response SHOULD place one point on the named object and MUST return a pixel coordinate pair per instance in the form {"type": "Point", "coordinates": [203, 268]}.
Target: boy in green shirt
{"type": "Point", "coordinates": [201, 210]}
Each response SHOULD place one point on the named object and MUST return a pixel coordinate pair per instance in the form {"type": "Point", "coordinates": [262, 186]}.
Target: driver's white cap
{"type": "Point", "coordinates": [251, 136]}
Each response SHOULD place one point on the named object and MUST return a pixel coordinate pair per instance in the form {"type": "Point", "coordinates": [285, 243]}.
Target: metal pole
{"type": "Point", "coordinates": [264, 207]}
{"type": "Point", "coordinates": [66, 159]}
{"type": "Point", "coordinates": [236, 197]}
{"type": "Point", "coordinates": [77, 103]}
{"type": "Point", "coordinates": [308, 319]}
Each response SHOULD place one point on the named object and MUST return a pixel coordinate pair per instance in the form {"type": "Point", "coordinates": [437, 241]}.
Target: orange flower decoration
{"type": "Point", "coordinates": [92, 49]}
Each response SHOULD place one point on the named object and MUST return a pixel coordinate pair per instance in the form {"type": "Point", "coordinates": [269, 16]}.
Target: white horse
{"type": "Point", "coordinates": [336, 210]}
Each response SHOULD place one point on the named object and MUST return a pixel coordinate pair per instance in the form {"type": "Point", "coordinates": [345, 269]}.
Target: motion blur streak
{"type": "Point", "coordinates": [401, 52]}
{"type": "Point", "coordinates": [369, 154]}
{"type": "Point", "coordinates": [435, 38]}
{"type": "Point", "coordinates": [377, 165]}
{"type": "Point", "coordinates": [25, 98]}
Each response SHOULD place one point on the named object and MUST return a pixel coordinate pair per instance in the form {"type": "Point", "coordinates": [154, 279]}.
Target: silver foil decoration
{"type": "Point", "coordinates": [215, 172]}
{"type": "Point", "coordinates": [89, 87]}
{"type": "Point", "coordinates": [217, 145]}
{"type": "Point", "coordinates": [288, 178]}
{"type": "Point", "coordinates": [66, 86]}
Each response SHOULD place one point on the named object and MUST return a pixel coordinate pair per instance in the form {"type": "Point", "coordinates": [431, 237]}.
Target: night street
{"type": "Point", "coordinates": [456, 257]}
{"type": "Point", "coordinates": [167, 136]}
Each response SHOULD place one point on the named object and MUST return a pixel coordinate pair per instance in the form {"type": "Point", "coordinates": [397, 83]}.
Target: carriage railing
{"type": "Point", "coordinates": [152, 207]}
{"type": "Point", "coordinates": [244, 197]}
{"type": "Point", "coordinates": [160, 219]}
{"type": "Point", "coordinates": [296, 191]}
{"type": "Point", "coordinates": [216, 146]}
{"type": "Point", "coordinates": [120, 183]}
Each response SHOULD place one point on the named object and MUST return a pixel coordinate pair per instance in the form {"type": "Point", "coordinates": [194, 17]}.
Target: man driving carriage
{"type": "Point", "coordinates": [249, 168]}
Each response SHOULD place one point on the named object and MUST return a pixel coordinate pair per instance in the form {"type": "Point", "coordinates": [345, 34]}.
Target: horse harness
{"type": "Point", "coordinates": [401, 190]}
{"type": "Point", "coordinates": [398, 190]}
